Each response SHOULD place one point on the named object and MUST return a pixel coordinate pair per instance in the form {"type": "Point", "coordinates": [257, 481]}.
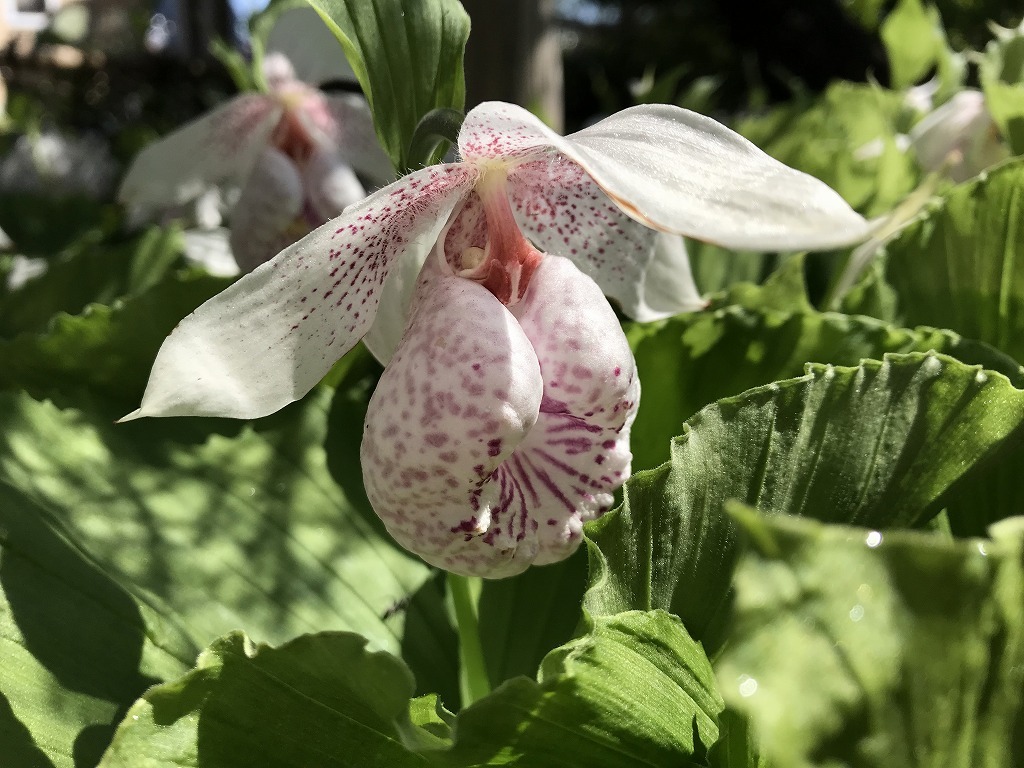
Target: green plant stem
{"type": "Point", "coordinates": [473, 682]}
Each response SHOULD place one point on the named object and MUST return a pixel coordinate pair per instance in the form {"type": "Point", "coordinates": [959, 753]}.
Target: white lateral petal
{"type": "Point", "coordinates": [219, 146]}
{"type": "Point", "coordinates": [563, 211]}
{"type": "Point", "coordinates": [462, 391]}
{"type": "Point", "coordinates": [270, 337]}
{"type": "Point", "coordinates": [678, 171]}
{"type": "Point", "coordinates": [572, 461]}
{"type": "Point", "coordinates": [263, 219]}
{"type": "Point", "coordinates": [669, 287]}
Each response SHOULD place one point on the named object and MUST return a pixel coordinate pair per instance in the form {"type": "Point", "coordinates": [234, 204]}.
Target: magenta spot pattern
{"type": "Point", "coordinates": [503, 131]}
{"type": "Point", "coordinates": [564, 212]}
{"type": "Point", "coordinates": [430, 453]}
{"type": "Point", "coordinates": [331, 283]}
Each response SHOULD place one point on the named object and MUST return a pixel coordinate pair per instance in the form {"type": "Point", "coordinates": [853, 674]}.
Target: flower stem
{"type": "Point", "coordinates": [473, 681]}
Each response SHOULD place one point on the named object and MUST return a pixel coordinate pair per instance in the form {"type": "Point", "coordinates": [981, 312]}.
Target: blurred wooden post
{"type": "Point", "coordinates": [514, 54]}
{"type": "Point", "coordinates": [203, 21]}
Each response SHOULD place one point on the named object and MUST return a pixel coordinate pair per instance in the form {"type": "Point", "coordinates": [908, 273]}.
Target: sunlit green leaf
{"type": "Point", "coordinates": [895, 650]}
{"type": "Point", "coordinates": [822, 138]}
{"type": "Point", "coordinates": [916, 44]}
{"type": "Point", "coordinates": [1001, 71]}
{"type": "Point", "coordinates": [234, 525]}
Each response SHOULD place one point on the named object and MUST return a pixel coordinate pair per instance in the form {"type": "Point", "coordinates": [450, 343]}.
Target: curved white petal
{"type": "Point", "coordinates": [669, 287]}
{"type": "Point", "coordinates": [219, 146]}
{"type": "Point", "coordinates": [462, 391]}
{"type": "Point", "coordinates": [633, 264]}
{"type": "Point", "coordinates": [578, 453]}
{"type": "Point", "coordinates": [210, 249]}
{"type": "Point", "coordinates": [263, 219]}
{"type": "Point", "coordinates": [468, 226]}
{"type": "Point", "coordinates": [344, 122]}
{"type": "Point", "coordinates": [678, 171]}
{"type": "Point", "coordinates": [331, 185]}
{"type": "Point", "coordinates": [271, 336]}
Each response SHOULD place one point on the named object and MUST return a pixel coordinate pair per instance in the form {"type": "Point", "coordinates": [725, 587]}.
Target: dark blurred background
{"type": "Point", "coordinates": [130, 68]}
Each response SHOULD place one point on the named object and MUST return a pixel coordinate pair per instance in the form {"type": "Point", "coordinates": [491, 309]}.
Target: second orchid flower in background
{"type": "Point", "coordinates": [299, 156]}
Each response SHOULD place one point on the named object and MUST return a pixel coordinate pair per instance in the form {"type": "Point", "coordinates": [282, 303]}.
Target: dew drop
{"type": "Point", "coordinates": [873, 539]}
{"type": "Point", "coordinates": [857, 612]}
{"type": "Point", "coordinates": [748, 686]}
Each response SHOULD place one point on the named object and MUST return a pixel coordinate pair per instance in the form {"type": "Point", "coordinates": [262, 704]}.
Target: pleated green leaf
{"type": "Point", "coordinates": [635, 691]}
{"type": "Point", "coordinates": [689, 361]}
{"type": "Point", "coordinates": [874, 445]}
{"type": "Point", "coordinates": [962, 267]}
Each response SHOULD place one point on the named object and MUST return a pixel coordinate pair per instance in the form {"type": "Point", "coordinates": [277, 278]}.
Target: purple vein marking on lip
{"type": "Point", "coordinates": [549, 484]}
{"type": "Point", "coordinates": [516, 464]}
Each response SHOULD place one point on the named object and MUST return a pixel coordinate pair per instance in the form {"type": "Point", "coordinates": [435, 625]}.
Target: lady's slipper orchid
{"type": "Point", "coordinates": [502, 421]}
{"type": "Point", "coordinates": [295, 151]}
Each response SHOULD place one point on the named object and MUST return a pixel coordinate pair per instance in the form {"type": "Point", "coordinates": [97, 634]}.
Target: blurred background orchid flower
{"type": "Point", "coordinates": [959, 137]}
{"type": "Point", "coordinates": [299, 156]}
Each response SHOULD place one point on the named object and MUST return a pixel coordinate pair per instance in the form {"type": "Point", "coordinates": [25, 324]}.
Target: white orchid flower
{"type": "Point", "coordinates": [502, 422]}
{"type": "Point", "coordinates": [294, 150]}
{"type": "Point", "coordinates": [959, 137]}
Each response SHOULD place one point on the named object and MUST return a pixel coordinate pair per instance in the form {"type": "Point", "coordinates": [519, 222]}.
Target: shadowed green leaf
{"type": "Point", "coordinates": [90, 272]}
{"type": "Point", "coordinates": [105, 350]}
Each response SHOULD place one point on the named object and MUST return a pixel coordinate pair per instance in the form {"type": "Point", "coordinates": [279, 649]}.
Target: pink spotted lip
{"type": "Point", "coordinates": [502, 422]}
